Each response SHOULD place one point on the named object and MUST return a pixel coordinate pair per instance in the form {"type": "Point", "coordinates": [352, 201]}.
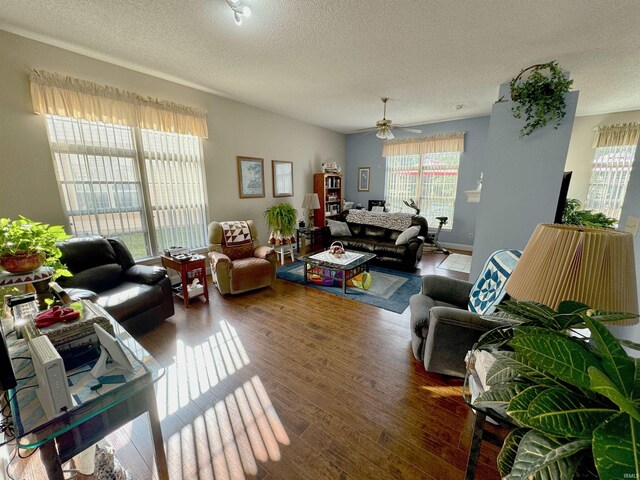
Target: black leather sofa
{"type": "Point", "coordinates": [138, 296]}
{"type": "Point", "coordinates": [382, 242]}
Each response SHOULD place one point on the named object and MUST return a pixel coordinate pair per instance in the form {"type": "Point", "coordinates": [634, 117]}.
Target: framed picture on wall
{"type": "Point", "coordinates": [250, 177]}
{"type": "Point", "coordinates": [282, 173]}
{"type": "Point", "coordinates": [363, 179]}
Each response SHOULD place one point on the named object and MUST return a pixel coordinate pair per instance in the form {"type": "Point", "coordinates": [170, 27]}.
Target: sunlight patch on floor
{"type": "Point", "coordinates": [228, 439]}
{"type": "Point", "coordinates": [198, 369]}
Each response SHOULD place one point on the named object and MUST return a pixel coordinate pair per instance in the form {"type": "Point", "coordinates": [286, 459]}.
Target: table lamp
{"type": "Point", "coordinates": [589, 265]}
{"type": "Point", "coordinates": [311, 202]}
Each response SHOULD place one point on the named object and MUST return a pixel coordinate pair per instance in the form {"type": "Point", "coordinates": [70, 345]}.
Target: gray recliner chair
{"type": "Point", "coordinates": [446, 316]}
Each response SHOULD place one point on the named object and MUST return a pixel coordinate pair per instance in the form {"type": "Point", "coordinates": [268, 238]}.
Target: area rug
{"type": "Point", "coordinates": [390, 289]}
{"type": "Point", "coordinates": [457, 263]}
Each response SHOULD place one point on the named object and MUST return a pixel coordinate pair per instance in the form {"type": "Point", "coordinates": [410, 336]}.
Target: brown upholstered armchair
{"type": "Point", "coordinates": [238, 262]}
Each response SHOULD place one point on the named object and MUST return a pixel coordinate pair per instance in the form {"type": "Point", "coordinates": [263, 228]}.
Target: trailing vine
{"type": "Point", "coordinates": [539, 96]}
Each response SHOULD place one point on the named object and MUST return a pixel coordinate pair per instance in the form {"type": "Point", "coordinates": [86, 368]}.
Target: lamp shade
{"type": "Point", "coordinates": [311, 201]}
{"type": "Point", "coordinates": [589, 265]}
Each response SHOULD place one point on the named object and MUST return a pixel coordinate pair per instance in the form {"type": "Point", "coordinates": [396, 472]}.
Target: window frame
{"type": "Point", "coordinates": [114, 191]}
{"type": "Point", "coordinates": [618, 170]}
{"type": "Point", "coordinates": [422, 173]}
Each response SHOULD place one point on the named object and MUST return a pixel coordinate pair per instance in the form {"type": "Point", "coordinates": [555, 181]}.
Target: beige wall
{"type": "Point", "coordinates": [580, 153]}
{"type": "Point", "coordinates": [28, 184]}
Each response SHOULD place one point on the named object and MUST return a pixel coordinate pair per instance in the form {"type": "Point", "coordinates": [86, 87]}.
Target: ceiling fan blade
{"type": "Point", "coordinates": [364, 134]}
{"type": "Point", "coordinates": [369, 129]}
{"type": "Point", "coordinates": [408, 129]}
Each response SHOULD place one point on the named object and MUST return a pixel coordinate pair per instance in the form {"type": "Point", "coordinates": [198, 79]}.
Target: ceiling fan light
{"type": "Point", "coordinates": [246, 11]}
{"type": "Point", "coordinates": [390, 135]}
{"type": "Point", "coordinates": [237, 18]}
{"type": "Point", "coordinates": [381, 133]}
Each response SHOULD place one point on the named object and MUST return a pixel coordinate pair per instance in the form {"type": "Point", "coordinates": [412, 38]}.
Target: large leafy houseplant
{"type": "Point", "coordinates": [575, 400]}
{"type": "Point", "coordinates": [24, 237]}
{"type": "Point", "coordinates": [539, 96]}
{"type": "Point", "coordinates": [574, 215]}
{"type": "Point", "coordinates": [282, 218]}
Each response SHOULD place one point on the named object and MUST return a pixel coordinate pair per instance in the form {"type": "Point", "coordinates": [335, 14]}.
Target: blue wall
{"type": "Point", "coordinates": [522, 180]}
{"type": "Point", "coordinates": [366, 151]}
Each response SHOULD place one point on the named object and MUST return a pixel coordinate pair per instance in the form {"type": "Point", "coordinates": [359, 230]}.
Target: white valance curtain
{"type": "Point", "coordinates": [617, 135]}
{"type": "Point", "coordinates": [444, 142]}
{"type": "Point", "coordinates": [71, 97]}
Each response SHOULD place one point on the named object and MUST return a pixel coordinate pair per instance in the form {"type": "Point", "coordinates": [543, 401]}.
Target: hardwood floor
{"type": "Point", "coordinates": [293, 383]}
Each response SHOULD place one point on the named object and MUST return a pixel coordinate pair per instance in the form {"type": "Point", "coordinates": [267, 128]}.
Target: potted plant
{"type": "Point", "coordinates": [26, 245]}
{"type": "Point", "coordinates": [574, 399]}
{"type": "Point", "coordinates": [574, 215]}
{"type": "Point", "coordinates": [539, 96]}
{"type": "Point", "coordinates": [281, 219]}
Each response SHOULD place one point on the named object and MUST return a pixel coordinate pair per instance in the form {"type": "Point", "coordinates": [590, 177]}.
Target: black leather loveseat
{"type": "Point", "coordinates": [137, 296]}
{"type": "Point", "coordinates": [382, 242]}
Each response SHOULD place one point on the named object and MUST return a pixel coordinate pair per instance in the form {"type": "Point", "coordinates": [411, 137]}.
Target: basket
{"type": "Point", "coordinates": [336, 249]}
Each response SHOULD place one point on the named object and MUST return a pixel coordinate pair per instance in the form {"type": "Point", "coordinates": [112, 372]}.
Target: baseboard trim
{"type": "Point", "coordinates": [457, 246]}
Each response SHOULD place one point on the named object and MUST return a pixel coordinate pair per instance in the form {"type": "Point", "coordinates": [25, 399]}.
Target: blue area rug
{"type": "Point", "coordinates": [391, 289]}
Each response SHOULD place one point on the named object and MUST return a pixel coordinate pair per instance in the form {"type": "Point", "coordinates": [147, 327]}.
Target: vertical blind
{"type": "Point", "coordinates": [426, 170]}
{"type": "Point", "coordinates": [173, 165]}
{"type": "Point", "coordinates": [609, 179]}
{"type": "Point", "coordinates": [106, 189]}
{"type": "Point", "coordinates": [99, 182]}
{"type": "Point", "coordinates": [127, 165]}
{"type": "Point", "coordinates": [615, 148]}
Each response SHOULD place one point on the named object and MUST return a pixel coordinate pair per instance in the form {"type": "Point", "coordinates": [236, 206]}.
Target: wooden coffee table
{"type": "Point", "coordinates": [341, 269]}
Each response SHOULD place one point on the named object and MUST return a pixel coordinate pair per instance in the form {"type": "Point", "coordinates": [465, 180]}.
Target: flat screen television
{"type": "Point", "coordinates": [562, 197]}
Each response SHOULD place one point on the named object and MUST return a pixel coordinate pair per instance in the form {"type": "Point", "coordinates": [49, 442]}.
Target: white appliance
{"type": "Point", "coordinates": [53, 391]}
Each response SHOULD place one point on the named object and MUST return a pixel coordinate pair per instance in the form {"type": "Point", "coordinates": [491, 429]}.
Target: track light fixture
{"type": "Point", "coordinates": [240, 11]}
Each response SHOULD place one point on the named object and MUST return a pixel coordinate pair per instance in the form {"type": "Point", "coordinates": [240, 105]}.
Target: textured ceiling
{"type": "Point", "coordinates": [327, 62]}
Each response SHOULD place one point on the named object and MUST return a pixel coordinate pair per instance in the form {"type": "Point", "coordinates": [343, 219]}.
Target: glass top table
{"type": "Point", "coordinates": [127, 393]}
{"type": "Point", "coordinates": [341, 269]}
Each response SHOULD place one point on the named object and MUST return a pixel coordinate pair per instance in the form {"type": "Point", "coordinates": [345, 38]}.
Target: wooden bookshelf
{"type": "Point", "coordinates": [328, 186]}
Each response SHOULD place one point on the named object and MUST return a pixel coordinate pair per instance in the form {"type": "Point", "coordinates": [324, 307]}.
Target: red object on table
{"type": "Point", "coordinates": [55, 315]}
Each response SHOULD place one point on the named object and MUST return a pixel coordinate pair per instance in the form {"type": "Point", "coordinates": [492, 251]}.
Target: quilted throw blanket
{"type": "Point", "coordinates": [277, 238]}
{"type": "Point", "coordinates": [236, 233]}
{"type": "Point", "coordinates": [392, 221]}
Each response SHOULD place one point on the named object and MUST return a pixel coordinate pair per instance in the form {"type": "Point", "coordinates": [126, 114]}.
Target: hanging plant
{"type": "Point", "coordinates": [539, 96]}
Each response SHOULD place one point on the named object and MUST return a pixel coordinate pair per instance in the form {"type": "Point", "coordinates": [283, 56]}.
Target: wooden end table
{"type": "Point", "coordinates": [196, 267]}
{"type": "Point", "coordinates": [312, 235]}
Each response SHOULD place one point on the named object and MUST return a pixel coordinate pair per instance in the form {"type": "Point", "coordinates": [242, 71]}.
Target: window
{"type": "Point", "coordinates": [609, 179]}
{"type": "Point", "coordinates": [100, 169]}
{"type": "Point", "coordinates": [425, 170]}
{"type": "Point", "coordinates": [615, 149]}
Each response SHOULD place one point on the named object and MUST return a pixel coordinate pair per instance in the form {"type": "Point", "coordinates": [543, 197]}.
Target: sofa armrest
{"type": "Point", "coordinates": [221, 266]}
{"type": "Point", "coordinates": [146, 274]}
{"type": "Point", "coordinates": [414, 243]}
{"type": "Point", "coordinates": [217, 258]}
{"type": "Point", "coordinates": [452, 333]}
{"type": "Point", "coordinates": [263, 252]}
{"type": "Point", "coordinates": [445, 289]}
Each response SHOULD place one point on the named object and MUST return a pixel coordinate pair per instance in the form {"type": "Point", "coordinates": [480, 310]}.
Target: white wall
{"type": "Point", "coordinates": [28, 184]}
{"type": "Point", "coordinates": [580, 155]}
{"type": "Point", "coordinates": [631, 206]}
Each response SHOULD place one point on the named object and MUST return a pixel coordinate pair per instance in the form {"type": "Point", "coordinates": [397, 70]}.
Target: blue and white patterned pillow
{"type": "Point", "coordinates": [488, 290]}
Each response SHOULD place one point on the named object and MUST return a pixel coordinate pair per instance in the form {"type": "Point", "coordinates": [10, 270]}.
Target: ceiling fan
{"type": "Point", "coordinates": [383, 127]}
